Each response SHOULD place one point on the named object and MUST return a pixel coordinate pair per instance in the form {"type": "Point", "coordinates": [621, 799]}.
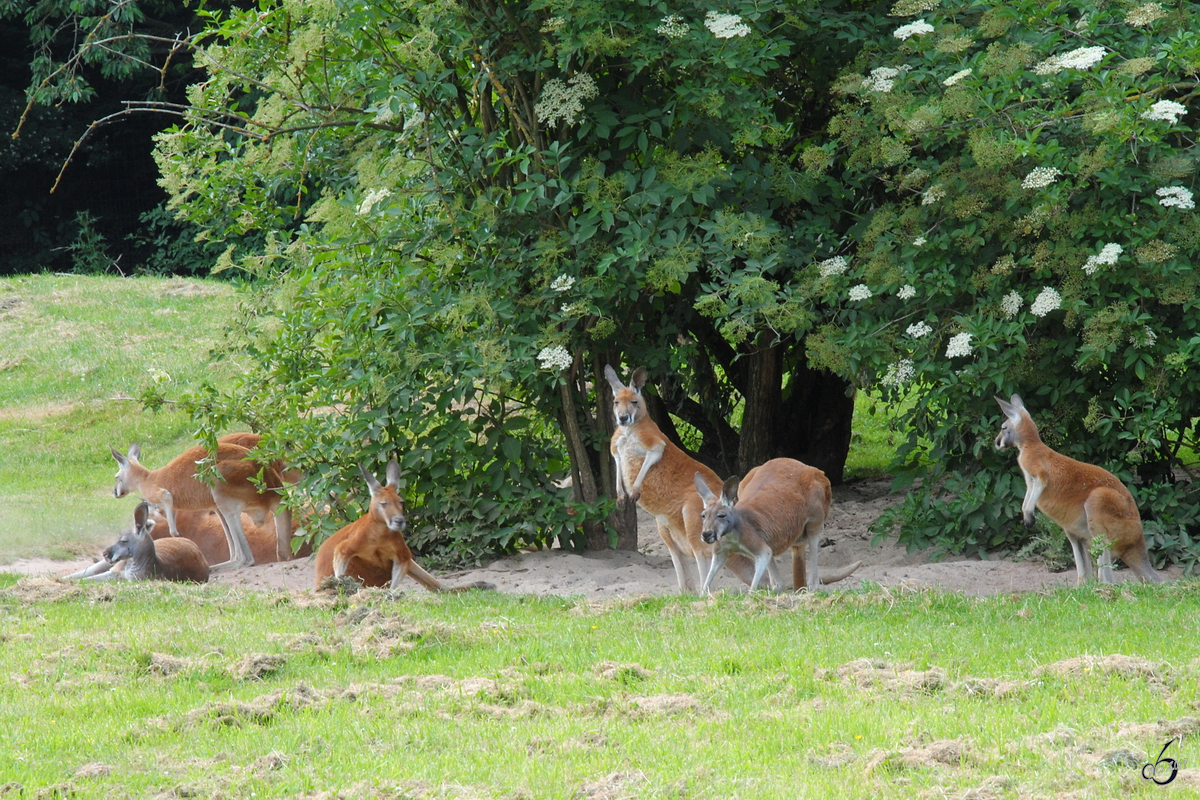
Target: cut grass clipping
{"type": "Point", "coordinates": [161, 690]}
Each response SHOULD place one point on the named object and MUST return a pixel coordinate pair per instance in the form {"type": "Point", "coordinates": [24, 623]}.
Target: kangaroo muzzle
{"type": "Point", "coordinates": [709, 537]}
{"type": "Point", "coordinates": [397, 523]}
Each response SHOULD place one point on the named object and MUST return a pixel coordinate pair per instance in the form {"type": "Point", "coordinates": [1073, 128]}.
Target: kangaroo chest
{"type": "Point", "coordinates": [629, 450]}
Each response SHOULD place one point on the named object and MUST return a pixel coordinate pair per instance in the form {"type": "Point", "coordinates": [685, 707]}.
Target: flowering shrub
{"type": "Point", "coordinates": [1038, 152]}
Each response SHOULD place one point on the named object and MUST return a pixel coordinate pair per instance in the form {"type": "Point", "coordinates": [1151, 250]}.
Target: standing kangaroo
{"type": "Point", "coordinates": [372, 548]}
{"type": "Point", "coordinates": [779, 505]}
{"type": "Point", "coordinates": [146, 559]}
{"type": "Point", "coordinates": [284, 530]}
{"type": "Point", "coordinates": [175, 486]}
{"type": "Point", "coordinates": [1085, 500]}
{"type": "Point", "coordinates": [657, 475]}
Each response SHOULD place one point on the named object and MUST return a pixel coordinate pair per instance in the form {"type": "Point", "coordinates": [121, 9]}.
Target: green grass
{"type": "Point", "coordinates": [875, 436]}
{"type": "Point", "coordinates": [77, 351]}
{"type": "Point", "coordinates": [762, 697]}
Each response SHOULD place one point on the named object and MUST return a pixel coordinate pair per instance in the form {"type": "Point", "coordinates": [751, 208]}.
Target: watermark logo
{"type": "Point", "coordinates": [1164, 770]}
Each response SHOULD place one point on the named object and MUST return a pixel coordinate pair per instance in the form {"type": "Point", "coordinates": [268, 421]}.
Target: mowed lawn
{"type": "Point", "coordinates": [75, 354]}
{"type": "Point", "coordinates": [172, 691]}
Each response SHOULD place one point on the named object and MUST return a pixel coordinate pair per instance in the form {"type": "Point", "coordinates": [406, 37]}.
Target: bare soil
{"type": "Point", "coordinates": [649, 571]}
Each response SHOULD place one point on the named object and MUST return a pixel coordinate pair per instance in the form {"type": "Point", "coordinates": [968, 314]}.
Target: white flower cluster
{"type": "Point", "coordinates": [673, 27]}
{"type": "Point", "coordinates": [917, 242]}
{"type": "Point", "coordinates": [959, 345]}
{"type": "Point", "coordinates": [725, 26]}
{"type": "Point", "coordinates": [1044, 303]}
{"type": "Point", "coordinates": [554, 359]}
{"type": "Point", "coordinates": [918, 28]}
{"type": "Point", "coordinates": [565, 100]}
{"type": "Point", "coordinates": [1165, 111]}
{"type": "Point", "coordinates": [1175, 197]}
{"type": "Point", "coordinates": [1145, 15]}
{"type": "Point", "coordinates": [562, 283]}
{"type": "Point", "coordinates": [1040, 178]}
{"type": "Point", "coordinates": [1011, 304]}
{"type": "Point", "coordinates": [1107, 255]}
{"type": "Point", "coordinates": [373, 197]}
{"type": "Point", "coordinates": [899, 373]}
{"type": "Point", "coordinates": [933, 194]}
{"type": "Point", "coordinates": [919, 330]}
{"type": "Point", "coordinates": [1147, 339]}
{"type": "Point", "coordinates": [906, 292]}
{"type": "Point", "coordinates": [833, 266]}
{"type": "Point", "coordinates": [860, 292]}
{"type": "Point", "coordinates": [956, 77]}
{"type": "Point", "coordinates": [1079, 58]}
{"type": "Point", "coordinates": [553, 25]}
{"type": "Point", "coordinates": [882, 79]}
{"type": "Point", "coordinates": [574, 309]}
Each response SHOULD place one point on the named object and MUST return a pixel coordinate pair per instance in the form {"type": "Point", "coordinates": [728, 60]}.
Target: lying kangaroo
{"type": "Point", "coordinates": [1085, 500]}
{"type": "Point", "coordinates": [372, 548]}
{"type": "Point", "coordinates": [167, 559]}
{"type": "Point", "coordinates": [779, 505]}
{"type": "Point", "coordinates": [206, 530]}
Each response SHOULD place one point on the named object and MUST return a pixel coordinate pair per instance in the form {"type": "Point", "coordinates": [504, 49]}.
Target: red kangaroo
{"type": "Point", "coordinates": [372, 548]}
{"type": "Point", "coordinates": [1085, 500]}
{"type": "Point", "coordinates": [779, 505]}
{"type": "Point", "coordinates": [175, 487]}
{"type": "Point", "coordinates": [145, 559]}
{"type": "Point", "coordinates": [657, 475]}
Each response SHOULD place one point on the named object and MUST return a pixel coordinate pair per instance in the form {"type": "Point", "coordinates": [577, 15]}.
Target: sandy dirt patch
{"type": "Point", "coordinates": [649, 570]}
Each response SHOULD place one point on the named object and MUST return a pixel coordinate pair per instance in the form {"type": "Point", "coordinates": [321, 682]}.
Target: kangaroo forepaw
{"type": "Point", "coordinates": [1028, 520]}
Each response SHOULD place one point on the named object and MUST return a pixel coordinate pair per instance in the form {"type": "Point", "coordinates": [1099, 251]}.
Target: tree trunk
{"type": "Point", "coordinates": [759, 441]}
{"type": "Point", "coordinates": [815, 418]}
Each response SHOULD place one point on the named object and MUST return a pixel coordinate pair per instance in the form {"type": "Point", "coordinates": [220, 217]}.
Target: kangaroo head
{"type": "Point", "coordinates": [629, 406]}
{"type": "Point", "coordinates": [386, 504]}
{"type": "Point", "coordinates": [1018, 426]}
{"type": "Point", "coordinates": [133, 541]}
{"type": "Point", "coordinates": [719, 516]}
{"type": "Point", "coordinates": [124, 480]}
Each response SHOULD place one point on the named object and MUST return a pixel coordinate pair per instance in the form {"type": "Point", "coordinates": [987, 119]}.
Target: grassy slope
{"type": "Point", "coordinates": [76, 350]}
{"type": "Point", "coordinates": [661, 697]}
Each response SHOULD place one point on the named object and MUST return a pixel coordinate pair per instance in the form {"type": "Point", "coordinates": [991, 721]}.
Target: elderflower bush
{"type": "Point", "coordinates": [1059, 236]}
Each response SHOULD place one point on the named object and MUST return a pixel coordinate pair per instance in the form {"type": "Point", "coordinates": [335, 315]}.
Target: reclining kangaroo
{"type": "Point", "coordinates": [658, 476]}
{"type": "Point", "coordinates": [175, 486]}
{"type": "Point", "coordinates": [167, 559]}
{"type": "Point", "coordinates": [779, 505]}
{"type": "Point", "coordinates": [1085, 500]}
{"type": "Point", "coordinates": [372, 548]}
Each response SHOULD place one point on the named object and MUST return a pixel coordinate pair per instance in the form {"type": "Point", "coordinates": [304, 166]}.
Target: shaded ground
{"type": "Point", "coordinates": [649, 571]}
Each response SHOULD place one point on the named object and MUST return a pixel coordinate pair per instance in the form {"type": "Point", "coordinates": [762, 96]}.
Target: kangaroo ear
{"type": "Point", "coordinates": [141, 513]}
{"type": "Point", "coordinates": [135, 452]}
{"type": "Point", "coordinates": [393, 474]}
{"type": "Point", "coordinates": [1018, 402]}
{"type": "Point", "coordinates": [706, 494]}
{"type": "Point", "coordinates": [372, 484]}
{"type": "Point", "coordinates": [610, 375]}
{"type": "Point", "coordinates": [729, 491]}
{"type": "Point", "coordinates": [122, 460]}
{"type": "Point", "coordinates": [1009, 410]}
{"type": "Point", "coordinates": [638, 379]}
{"type": "Point", "coordinates": [142, 524]}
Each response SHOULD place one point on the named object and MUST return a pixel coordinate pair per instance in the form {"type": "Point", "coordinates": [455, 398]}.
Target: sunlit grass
{"type": "Point", "coordinates": [210, 691]}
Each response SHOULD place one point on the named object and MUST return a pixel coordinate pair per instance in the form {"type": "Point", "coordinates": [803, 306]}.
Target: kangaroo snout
{"type": "Point", "coordinates": [709, 537]}
{"type": "Point", "coordinates": [398, 523]}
